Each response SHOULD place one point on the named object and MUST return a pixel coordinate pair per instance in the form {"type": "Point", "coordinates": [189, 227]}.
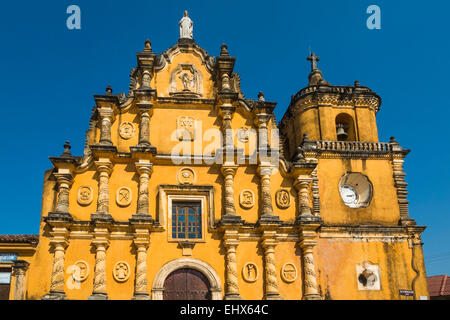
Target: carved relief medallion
{"type": "Point", "coordinates": [85, 195]}
{"type": "Point", "coordinates": [126, 130]}
{"type": "Point", "coordinates": [289, 272]}
{"type": "Point", "coordinates": [283, 198]}
{"type": "Point", "coordinates": [123, 196]}
{"type": "Point", "coordinates": [247, 199]}
{"type": "Point", "coordinates": [186, 176]}
{"type": "Point", "coordinates": [243, 134]}
{"type": "Point", "coordinates": [186, 128]}
{"type": "Point", "coordinates": [121, 271]}
{"type": "Point", "coordinates": [80, 270]}
{"type": "Point", "coordinates": [250, 272]}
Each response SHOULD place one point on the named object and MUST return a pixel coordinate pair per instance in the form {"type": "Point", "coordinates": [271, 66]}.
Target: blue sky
{"type": "Point", "coordinates": [49, 75]}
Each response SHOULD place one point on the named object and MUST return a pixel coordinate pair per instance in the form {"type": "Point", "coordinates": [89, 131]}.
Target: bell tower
{"type": "Point", "coordinates": [331, 113]}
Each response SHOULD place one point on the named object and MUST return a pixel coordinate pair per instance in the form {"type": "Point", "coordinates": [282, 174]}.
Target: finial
{"type": "Point", "coordinates": [313, 58]}
{"type": "Point", "coordinates": [357, 83]}
{"type": "Point", "coordinates": [148, 46]}
{"type": "Point", "coordinates": [393, 140]}
{"type": "Point", "coordinates": [67, 149]}
{"type": "Point", "coordinates": [109, 90]}
{"type": "Point", "coordinates": [224, 50]}
{"type": "Point", "coordinates": [186, 27]}
{"type": "Point", "coordinates": [261, 96]}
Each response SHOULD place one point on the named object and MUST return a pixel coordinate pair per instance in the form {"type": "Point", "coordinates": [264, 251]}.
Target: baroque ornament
{"type": "Point", "coordinates": [126, 130]}
{"type": "Point", "coordinates": [250, 272]}
{"type": "Point", "coordinates": [185, 128]}
{"type": "Point", "coordinates": [80, 271]}
{"type": "Point", "coordinates": [123, 196]}
{"type": "Point", "coordinates": [289, 272]}
{"type": "Point", "coordinates": [243, 134]}
{"type": "Point", "coordinates": [121, 271]}
{"type": "Point", "coordinates": [85, 195]}
{"type": "Point", "coordinates": [247, 199]}
{"type": "Point", "coordinates": [283, 199]}
{"type": "Point", "coordinates": [186, 176]}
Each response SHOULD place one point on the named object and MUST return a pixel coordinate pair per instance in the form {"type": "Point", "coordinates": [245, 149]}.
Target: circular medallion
{"type": "Point", "coordinates": [289, 272]}
{"type": "Point", "coordinates": [123, 196]}
{"type": "Point", "coordinates": [247, 199]}
{"type": "Point", "coordinates": [80, 270]}
{"type": "Point", "coordinates": [121, 271]}
{"type": "Point", "coordinates": [250, 272]}
{"type": "Point", "coordinates": [283, 198]}
{"type": "Point", "coordinates": [126, 130]}
{"type": "Point", "coordinates": [186, 176]}
{"type": "Point", "coordinates": [85, 195]}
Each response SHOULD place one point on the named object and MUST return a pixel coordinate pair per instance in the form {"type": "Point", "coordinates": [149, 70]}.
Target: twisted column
{"type": "Point", "coordinates": [228, 174]}
{"type": "Point", "coordinates": [106, 115]}
{"type": "Point", "coordinates": [104, 168]}
{"type": "Point", "coordinates": [266, 197]}
{"type": "Point", "coordinates": [141, 242]}
{"type": "Point", "coordinates": [99, 290]}
{"type": "Point", "coordinates": [271, 281]}
{"type": "Point", "coordinates": [304, 207]}
{"type": "Point", "coordinates": [231, 273]}
{"type": "Point", "coordinates": [20, 267]}
{"type": "Point", "coordinates": [64, 183]}
{"type": "Point", "coordinates": [311, 290]}
{"type": "Point", "coordinates": [145, 170]}
{"type": "Point", "coordinates": [144, 133]}
{"type": "Point", "coordinates": [59, 243]}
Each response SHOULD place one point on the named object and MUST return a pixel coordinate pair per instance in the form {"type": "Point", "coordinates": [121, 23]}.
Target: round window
{"type": "Point", "coordinates": [356, 190]}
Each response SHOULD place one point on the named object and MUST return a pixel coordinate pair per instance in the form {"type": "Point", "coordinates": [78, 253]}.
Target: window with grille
{"type": "Point", "coordinates": [186, 220]}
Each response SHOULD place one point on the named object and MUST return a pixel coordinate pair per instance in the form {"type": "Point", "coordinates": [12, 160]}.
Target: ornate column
{"type": "Point", "coordinates": [64, 182]}
{"type": "Point", "coordinates": [104, 168]}
{"type": "Point", "coordinates": [101, 244]}
{"type": "Point", "coordinates": [302, 185]}
{"type": "Point", "coordinates": [308, 239]}
{"type": "Point", "coordinates": [144, 133]}
{"type": "Point", "coordinates": [228, 173]}
{"type": "Point", "coordinates": [106, 116]}
{"type": "Point", "coordinates": [58, 243]}
{"type": "Point", "coordinates": [266, 197]}
{"type": "Point", "coordinates": [231, 241]}
{"type": "Point", "coordinates": [19, 269]}
{"type": "Point", "coordinates": [271, 282]}
{"type": "Point", "coordinates": [141, 242]}
{"type": "Point", "coordinates": [145, 170]}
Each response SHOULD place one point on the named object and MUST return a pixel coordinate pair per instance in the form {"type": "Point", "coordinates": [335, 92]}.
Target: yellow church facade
{"type": "Point", "coordinates": [189, 190]}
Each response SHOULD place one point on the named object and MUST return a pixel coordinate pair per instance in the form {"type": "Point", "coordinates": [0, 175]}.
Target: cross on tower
{"type": "Point", "coordinates": [313, 58]}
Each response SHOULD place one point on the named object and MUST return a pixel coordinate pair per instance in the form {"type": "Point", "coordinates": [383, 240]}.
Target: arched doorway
{"type": "Point", "coordinates": [196, 268]}
{"type": "Point", "coordinates": [186, 284]}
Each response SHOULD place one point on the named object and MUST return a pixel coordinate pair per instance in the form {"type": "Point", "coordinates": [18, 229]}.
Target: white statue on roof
{"type": "Point", "coordinates": [186, 27]}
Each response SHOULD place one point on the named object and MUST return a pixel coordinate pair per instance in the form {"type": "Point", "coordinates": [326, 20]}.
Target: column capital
{"type": "Point", "coordinates": [144, 167]}
{"type": "Point", "coordinates": [229, 169]}
{"type": "Point", "coordinates": [104, 166]}
{"type": "Point", "coordinates": [265, 170]}
{"type": "Point", "coordinates": [64, 178]}
{"type": "Point", "coordinates": [106, 112]}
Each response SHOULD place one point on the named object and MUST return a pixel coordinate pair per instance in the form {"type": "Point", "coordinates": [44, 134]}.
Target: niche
{"type": "Point", "coordinates": [345, 128]}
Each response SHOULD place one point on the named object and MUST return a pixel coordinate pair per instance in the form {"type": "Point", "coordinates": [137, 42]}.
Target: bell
{"type": "Point", "coordinates": [341, 134]}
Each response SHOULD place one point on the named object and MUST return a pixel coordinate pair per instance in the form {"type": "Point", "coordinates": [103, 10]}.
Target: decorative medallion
{"type": "Point", "coordinates": [126, 130]}
{"type": "Point", "coordinates": [250, 272]}
{"type": "Point", "coordinates": [80, 270]}
{"type": "Point", "coordinates": [243, 134]}
{"type": "Point", "coordinates": [247, 198]}
{"type": "Point", "coordinates": [85, 195]}
{"type": "Point", "coordinates": [121, 271]}
{"type": "Point", "coordinates": [289, 272]}
{"type": "Point", "coordinates": [186, 176]}
{"type": "Point", "coordinates": [283, 199]}
{"type": "Point", "coordinates": [123, 196]}
{"type": "Point", "coordinates": [368, 276]}
{"type": "Point", "coordinates": [185, 128]}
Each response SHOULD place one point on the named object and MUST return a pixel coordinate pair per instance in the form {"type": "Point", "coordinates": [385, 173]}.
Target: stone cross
{"type": "Point", "coordinates": [313, 58]}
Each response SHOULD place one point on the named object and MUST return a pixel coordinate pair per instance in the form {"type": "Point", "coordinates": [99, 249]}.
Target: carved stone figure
{"type": "Point", "coordinates": [247, 199]}
{"type": "Point", "coordinates": [121, 271]}
{"type": "Point", "coordinates": [250, 272]}
{"type": "Point", "coordinates": [126, 130]}
{"type": "Point", "coordinates": [283, 199]}
{"type": "Point", "coordinates": [186, 27]}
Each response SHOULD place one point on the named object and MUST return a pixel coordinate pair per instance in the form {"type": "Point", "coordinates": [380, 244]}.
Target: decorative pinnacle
{"type": "Point", "coordinates": [109, 90]}
{"type": "Point", "coordinates": [148, 46]}
{"type": "Point", "coordinates": [261, 96]}
{"type": "Point", "coordinates": [393, 140]}
{"type": "Point", "coordinates": [357, 83]}
{"type": "Point", "coordinates": [313, 58]}
{"type": "Point", "coordinates": [224, 50]}
{"type": "Point", "coordinates": [67, 149]}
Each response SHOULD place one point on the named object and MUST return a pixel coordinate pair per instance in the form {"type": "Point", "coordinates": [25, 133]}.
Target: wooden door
{"type": "Point", "coordinates": [4, 287]}
{"type": "Point", "coordinates": [187, 284]}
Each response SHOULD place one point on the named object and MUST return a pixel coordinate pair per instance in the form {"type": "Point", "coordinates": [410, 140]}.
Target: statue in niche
{"type": "Point", "coordinates": [186, 27]}
{"type": "Point", "coordinates": [187, 81]}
